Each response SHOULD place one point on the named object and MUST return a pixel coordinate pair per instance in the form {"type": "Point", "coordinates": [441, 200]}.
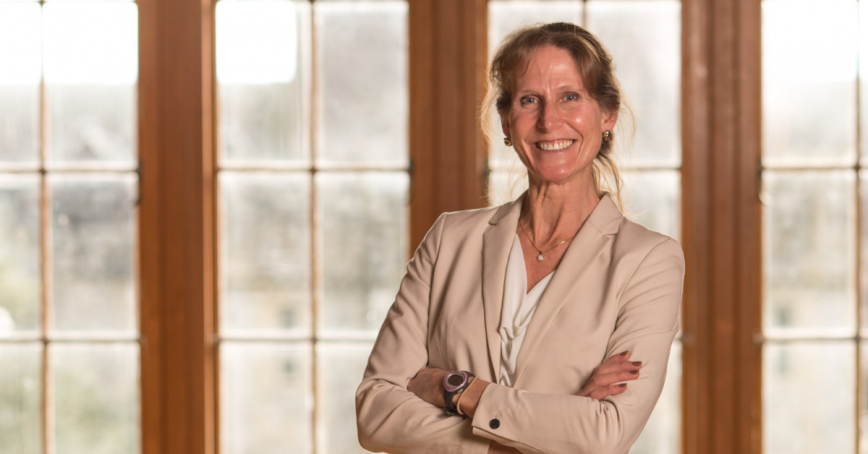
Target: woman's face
{"type": "Point", "coordinates": [555, 126]}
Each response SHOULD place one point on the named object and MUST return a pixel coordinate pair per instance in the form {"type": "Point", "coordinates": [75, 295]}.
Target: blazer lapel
{"type": "Point", "coordinates": [593, 238]}
{"type": "Point", "coordinates": [496, 244]}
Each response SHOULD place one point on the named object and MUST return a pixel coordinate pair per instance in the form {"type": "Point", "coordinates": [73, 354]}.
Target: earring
{"type": "Point", "coordinates": [607, 135]}
{"type": "Point", "coordinates": [507, 141]}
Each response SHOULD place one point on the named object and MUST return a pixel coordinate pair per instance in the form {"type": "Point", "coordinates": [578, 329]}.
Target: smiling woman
{"type": "Point", "coordinates": [545, 324]}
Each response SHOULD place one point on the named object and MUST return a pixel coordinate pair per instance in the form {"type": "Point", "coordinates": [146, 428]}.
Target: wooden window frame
{"type": "Point", "coordinates": [721, 127]}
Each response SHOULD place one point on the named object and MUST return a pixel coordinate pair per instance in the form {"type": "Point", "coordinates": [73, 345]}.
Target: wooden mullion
{"type": "Point", "coordinates": [176, 225]}
{"type": "Point", "coordinates": [721, 126]}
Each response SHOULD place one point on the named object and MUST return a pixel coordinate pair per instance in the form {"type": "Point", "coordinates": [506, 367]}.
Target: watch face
{"type": "Point", "coordinates": [454, 380]}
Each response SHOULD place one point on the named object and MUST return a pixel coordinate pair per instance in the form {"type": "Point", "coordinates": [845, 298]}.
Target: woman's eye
{"type": "Point", "coordinates": [571, 97]}
{"type": "Point", "coordinates": [528, 100]}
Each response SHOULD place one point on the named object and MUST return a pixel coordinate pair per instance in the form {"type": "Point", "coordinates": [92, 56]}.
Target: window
{"type": "Point", "coordinates": [814, 198]}
{"type": "Point", "coordinates": [312, 204]}
{"type": "Point", "coordinates": [69, 336]}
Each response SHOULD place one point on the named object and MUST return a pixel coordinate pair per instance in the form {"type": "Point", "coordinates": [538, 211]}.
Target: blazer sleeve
{"type": "Point", "coordinates": [389, 417]}
{"type": "Point", "coordinates": [646, 324]}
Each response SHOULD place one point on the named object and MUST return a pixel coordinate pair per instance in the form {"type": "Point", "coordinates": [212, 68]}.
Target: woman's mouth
{"type": "Point", "coordinates": [554, 145]}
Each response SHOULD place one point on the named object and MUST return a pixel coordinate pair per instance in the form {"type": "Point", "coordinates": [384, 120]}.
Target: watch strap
{"type": "Point", "coordinates": [450, 391]}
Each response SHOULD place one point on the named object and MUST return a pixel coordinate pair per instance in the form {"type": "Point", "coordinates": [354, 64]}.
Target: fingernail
{"type": "Point", "coordinates": [624, 353]}
{"type": "Point", "coordinates": [637, 363]}
{"type": "Point", "coordinates": [622, 385]}
{"type": "Point", "coordinates": [634, 372]}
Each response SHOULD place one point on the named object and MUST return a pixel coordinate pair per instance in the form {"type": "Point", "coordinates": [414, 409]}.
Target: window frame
{"type": "Point", "coordinates": [721, 219]}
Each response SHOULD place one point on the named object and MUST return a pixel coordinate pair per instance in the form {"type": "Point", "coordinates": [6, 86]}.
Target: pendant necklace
{"type": "Point", "coordinates": [540, 257]}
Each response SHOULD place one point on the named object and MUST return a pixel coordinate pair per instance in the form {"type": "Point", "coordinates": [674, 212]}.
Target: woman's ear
{"type": "Point", "coordinates": [504, 124]}
{"type": "Point", "coordinates": [609, 120]}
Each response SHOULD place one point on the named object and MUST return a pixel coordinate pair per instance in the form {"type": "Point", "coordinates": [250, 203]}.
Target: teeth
{"type": "Point", "coordinates": [554, 146]}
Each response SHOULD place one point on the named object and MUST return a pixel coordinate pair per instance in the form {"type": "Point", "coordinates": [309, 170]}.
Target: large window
{"type": "Point", "coordinates": [312, 188]}
{"type": "Point", "coordinates": [69, 333]}
{"type": "Point", "coordinates": [814, 204]}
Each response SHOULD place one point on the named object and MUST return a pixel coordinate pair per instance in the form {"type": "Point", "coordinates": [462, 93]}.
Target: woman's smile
{"type": "Point", "coordinates": [554, 145]}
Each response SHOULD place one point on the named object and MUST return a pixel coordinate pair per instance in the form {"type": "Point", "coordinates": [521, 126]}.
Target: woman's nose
{"type": "Point", "coordinates": [549, 117]}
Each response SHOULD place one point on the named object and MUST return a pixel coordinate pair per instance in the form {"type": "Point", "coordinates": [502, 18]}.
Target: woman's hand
{"type": "Point", "coordinates": [615, 369]}
{"type": "Point", "coordinates": [428, 385]}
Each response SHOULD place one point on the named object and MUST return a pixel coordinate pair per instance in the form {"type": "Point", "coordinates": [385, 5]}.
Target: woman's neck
{"type": "Point", "coordinates": [552, 213]}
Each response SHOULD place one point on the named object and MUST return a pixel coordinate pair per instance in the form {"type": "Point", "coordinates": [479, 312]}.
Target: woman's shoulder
{"type": "Point", "coordinates": [637, 242]}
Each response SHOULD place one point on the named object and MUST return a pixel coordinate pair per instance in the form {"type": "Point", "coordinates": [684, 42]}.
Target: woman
{"type": "Point", "coordinates": [528, 319]}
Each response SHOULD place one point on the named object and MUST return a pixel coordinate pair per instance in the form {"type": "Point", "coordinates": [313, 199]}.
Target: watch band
{"type": "Point", "coordinates": [454, 383]}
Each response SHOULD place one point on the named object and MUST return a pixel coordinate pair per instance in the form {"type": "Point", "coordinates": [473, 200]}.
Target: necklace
{"type": "Point", "coordinates": [540, 257]}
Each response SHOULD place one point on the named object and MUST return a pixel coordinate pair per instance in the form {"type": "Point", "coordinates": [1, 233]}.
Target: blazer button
{"type": "Point", "coordinates": [494, 423]}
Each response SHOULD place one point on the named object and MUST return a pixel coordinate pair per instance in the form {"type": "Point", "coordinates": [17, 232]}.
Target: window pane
{"type": "Point", "coordinates": [653, 199]}
{"type": "Point", "coordinates": [662, 434]}
{"type": "Point", "coordinates": [265, 252]}
{"type": "Point", "coordinates": [263, 70]}
{"type": "Point", "coordinates": [20, 270]}
{"type": "Point", "coordinates": [362, 105]}
{"type": "Point", "coordinates": [20, 398]}
{"type": "Point", "coordinates": [863, 199]}
{"type": "Point", "coordinates": [809, 84]}
{"type": "Point", "coordinates": [809, 252]}
{"type": "Point", "coordinates": [644, 38]}
{"type": "Point", "coordinates": [96, 398]}
{"type": "Point", "coordinates": [798, 420]}
{"type": "Point", "coordinates": [364, 244]}
{"type": "Point", "coordinates": [92, 250]}
{"type": "Point", "coordinates": [265, 398]}
{"type": "Point", "coordinates": [341, 367]}
{"type": "Point", "coordinates": [19, 82]}
{"type": "Point", "coordinates": [91, 67]}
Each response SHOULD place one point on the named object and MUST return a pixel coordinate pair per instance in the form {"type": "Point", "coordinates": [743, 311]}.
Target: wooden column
{"type": "Point", "coordinates": [721, 116]}
{"type": "Point", "coordinates": [176, 224]}
{"type": "Point", "coordinates": [448, 50]}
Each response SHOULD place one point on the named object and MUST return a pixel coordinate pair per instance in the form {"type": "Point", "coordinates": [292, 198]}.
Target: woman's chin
{"type": "Point", "coordinates": [557, 175]}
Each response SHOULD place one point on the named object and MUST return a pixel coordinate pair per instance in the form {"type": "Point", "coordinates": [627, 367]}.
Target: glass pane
{"type": "Point", "coordinates": [265, 252]}
{"type": "Point", "coordinates": [662, 434]}
{"type": "Point", "coordinates": [266, 404]}
{"type": "Point", "coordinates": [809, 113]}
{"type": "Point", "coordinates": [92, 250]}
{"type": "Point", "coordinates": [19, 82]}
{"type": "Point", "coordinates": [809, 224]}
{"type": "Point", "coordinates": [505, 17]}
{"type": "Point", "coordinates": [91, 66]}
{"type": "Point", "coordinates": [504, 186]}
{"type": "Point", "coordinates": [653, 199]}
{"type": "Point", "coordinates": [20, 398]}
{"type": "Point", "coordinates": [863, 199]}
{"type": "Point", "coordinates": [263, 70]}
{"type": "Point", "coordinates": [341, 367]}
{"type": "Point", "coordinates": [363, 105]}
{"type": "Point", "coordinates": [96, 398]}
{"type": "Point", "coordinates": [644, 38]}
{"type": "Point", "coordinates": [20, 270]}
{"type": "Point", "coordinates": [797, 420]}
{"type": "Point", "coordinates": [363, 243]}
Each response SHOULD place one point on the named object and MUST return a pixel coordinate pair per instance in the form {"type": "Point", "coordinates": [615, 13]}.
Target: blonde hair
{"type": "Point", "coordinates": [598, 77]}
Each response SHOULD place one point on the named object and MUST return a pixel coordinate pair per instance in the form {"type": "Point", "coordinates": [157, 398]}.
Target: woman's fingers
{"type": "Point", "coordinates": [623, 356]}
{"type": "Point", "coordinates": [602, 380]}
{"type": "Point", "coordinates": [614, 367]}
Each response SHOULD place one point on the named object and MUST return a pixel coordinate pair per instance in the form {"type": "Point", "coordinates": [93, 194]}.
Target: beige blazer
{"type": "Point", "coordinates": [617, 288]}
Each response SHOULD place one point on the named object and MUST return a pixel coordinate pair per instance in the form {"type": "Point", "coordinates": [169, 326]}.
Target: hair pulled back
{"type": "Point", "coordinates": [598, 78]}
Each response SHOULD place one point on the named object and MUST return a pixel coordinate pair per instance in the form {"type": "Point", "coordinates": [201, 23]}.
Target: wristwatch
{"type": "Point", "coordinates": [454, 383]}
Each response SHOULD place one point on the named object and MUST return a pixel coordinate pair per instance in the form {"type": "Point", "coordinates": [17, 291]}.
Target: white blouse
{"type": "Point", "coordinates": [518, 308]}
